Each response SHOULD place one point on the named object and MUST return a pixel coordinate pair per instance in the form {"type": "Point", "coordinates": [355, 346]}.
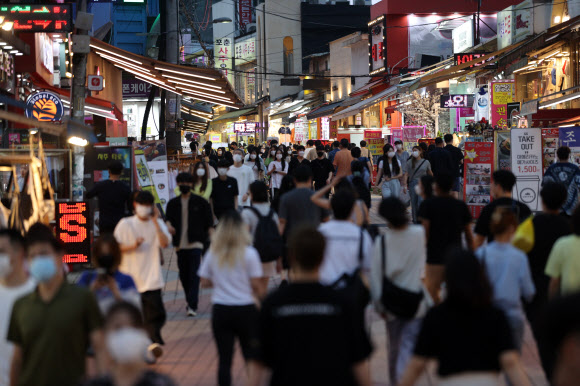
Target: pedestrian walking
{"type": "Point", "coordinates": [224, 194]}
{"type": "Point", "coordinates": [190, 221]}
{"type": "Point", "coordinates": [403, 157]}
{"type": "Point", "coordinates": [277, 170]}
{"type": "Point", "coordinates": [457, 161]}
{"type": "Point", "coordinates": [202, 184]}
{"type": "Point", "coordinates": [243, 175]}
{"type": "Point", "coordinates": [303, 324]}
{"type": "Point", "coordinates": [424, 188]}
{"type": "Point", "coordinates": [566, 173]}
{"type": "Point", "coordinates": [255, 162]}
{"type": "Point", "coordinates": [271, 156]}
{"type": "Point", "coordinates": [399, 254]}
{"type": "Point", "coordinates": [343, 159]}
{"type": "Point", "coordinates": [445, 220]}
{"type": "Point", "coordinates": [51, 327]}
{"type": "Point", "coordinates": [141, 237]}
{"type": "Point", "coordinates": [335, 149]}
{"type": "Point", "coordinates": [113, 195]}
{"type": "Point", "coordinates": [467, 335]}
{"type": "Point", "coordinates": [417, 167]}
{"type": "Point", "coordinates": [389, 170]}
{"type": "Point", "coordinates": [233, 269]}
{"type": "Point", "coordinates": [366, 153]}
{"type": "Point", "coordinates": [310, 150]}
{"type": "Point", "coordinates": [299, 160]}
{"type": "Point", "coordinates": [322, 169]}
{"type": "Point", "coordinates": [441, 160]}
{"type": "Point", "coordinates": [355, 152]}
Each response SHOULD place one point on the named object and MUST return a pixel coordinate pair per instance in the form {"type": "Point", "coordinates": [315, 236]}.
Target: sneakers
{"type": "Point", "coordinates": [154, 351]}
{"type": "Point", "coordinates": [191, 311]}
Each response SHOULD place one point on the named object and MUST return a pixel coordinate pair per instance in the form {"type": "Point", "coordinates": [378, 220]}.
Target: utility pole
{"type": "Point", "coordinates": [172, 107]}
{"type": "Point", "coordinates": [79, 74]}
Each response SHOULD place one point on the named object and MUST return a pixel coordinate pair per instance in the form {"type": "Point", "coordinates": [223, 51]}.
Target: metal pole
{"type": "Point", "coordinates": [79, 77]}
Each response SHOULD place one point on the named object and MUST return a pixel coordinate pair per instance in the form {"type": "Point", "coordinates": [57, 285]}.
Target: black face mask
{"type": "Point", "coordinates": [184, 189]}
{"type": "Point", "coordinates": [320, 154]}
{"type": "Point", "coordinates": [106, 262]}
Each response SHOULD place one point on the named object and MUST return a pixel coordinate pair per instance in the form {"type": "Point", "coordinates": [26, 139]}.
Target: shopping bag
{"type": "Point", "coordinates": [524, 236]}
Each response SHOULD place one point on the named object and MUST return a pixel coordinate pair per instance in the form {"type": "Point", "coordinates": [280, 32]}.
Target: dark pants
{"type": "Point", "coordinates": [320, 185]}
{"type": "Point", "coordinates": [188, 263]}
{"type": "Point", "coordinates": [229, 322]}
{"type": "Point", "coordinates": [154, 315]}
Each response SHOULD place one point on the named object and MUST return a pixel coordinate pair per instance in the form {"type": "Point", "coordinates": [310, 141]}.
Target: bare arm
{"type": "Point", "coordinates": [258, 287]}
{"type": "Point", "coordinates": [469, 236]}
{"type": "Point", "coordinates": [478, 240]}
{"type": "Point", "coordinates": [414, 370]}
{"type": "Point", "coordinates": [16, 365]}
{"type": "Point", "coordinates": [426, 224]}
{"type": "Point", "coordinates": [379, 175]}
{"type": "Point", "coordinates": [131, 247]}
{"type": "Point", "coordinates": [236, 202]}
{"type": "Point", "coordinates": [281, 225]}
{"type": "Point", "coordinates": [319, 199]}
{"type": "Point", "coordinates": [206, 283]}
{"type": "Point", "coordinates": [97, 338]}
{"type": "Point", "coordinates": [361, 373]}
{"type": "Point", "coordinates": [511, 365]}
{"type": "Point", "coordinates": [554, 287]}
{"type": "Point", "coordinates": [163, 239]}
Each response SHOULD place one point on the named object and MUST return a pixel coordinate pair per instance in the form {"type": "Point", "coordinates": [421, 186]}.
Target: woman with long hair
{"type": "Point", "coordinates": [390, 171]}
{"type": "Point", "coordinates": [417, 168]}
{"type": "Point", "coordinates": [270, 155]}
{"type": "Point", "coordinates": [234, 269]}
{"type": "Point", "coordinates": [466, 334]}
{"type": "Point", "coordinates": [202, 184]}
{"type": "Point", "coordinates": [221, 153]}
{"type": "Point", "coordinates": [277, 170]}
{"type": "Point", "coordinates": [255, 162]}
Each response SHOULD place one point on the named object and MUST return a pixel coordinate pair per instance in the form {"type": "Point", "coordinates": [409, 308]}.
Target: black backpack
{"type": "Point", "coordinates": [267, 239]}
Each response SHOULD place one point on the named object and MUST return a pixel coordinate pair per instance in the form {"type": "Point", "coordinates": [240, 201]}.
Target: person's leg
{"type": "Point", "coordinates": [409, 332]}
{"type": "Point", "coordinates": [194, 291]}
{"type": "Point", "coordinates": [154, 315]}
{"type": "Point", "coordinates": [183, 265]}
{"type": "Point", "coordinates": [246, 319]}
{"type": "Point", "coordinates": [434, 277]}
{"type": "Point", "coordinates": [385, 189]}
{"type": "Point", "coordinates": [393, 344]}
{"type": "Point", "coordinates": [224, 339]}
{"type": "Point", "coordinates": [414, 200]}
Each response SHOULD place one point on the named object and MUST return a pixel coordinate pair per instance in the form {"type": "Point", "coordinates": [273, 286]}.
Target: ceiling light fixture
{"type": "Point", "coordinates": [185, 73]}
{"type": "Point", "coordinates": [190, 81]}
{"type": "Point", "coordinates": [114, 53]}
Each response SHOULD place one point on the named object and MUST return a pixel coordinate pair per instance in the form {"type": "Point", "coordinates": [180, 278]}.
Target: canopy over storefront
{"type": "Point", "coordinates": [196, 117]}
{"type": "Point", "coordinates": [358, 107]}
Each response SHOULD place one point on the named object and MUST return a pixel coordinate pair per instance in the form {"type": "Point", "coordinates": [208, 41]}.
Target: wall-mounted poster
{"type": "Point", "coordinates": [477, 176]}
{"type": "Point", "coordinates": [502, 141]}
{"type": "Point", "coordinates": [152, 170]}
{"type": "Point", "coordinates": [550, 143]}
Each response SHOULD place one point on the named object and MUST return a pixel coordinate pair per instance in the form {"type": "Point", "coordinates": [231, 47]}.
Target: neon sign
{"type": "Point", "coordinates": [39, 18]}
{"type": "Point", "coordinates": [454, 101]}
{"type": "Point", "coordinates": [72, 228]}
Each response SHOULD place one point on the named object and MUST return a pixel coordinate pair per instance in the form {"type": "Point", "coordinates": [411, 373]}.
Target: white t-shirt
{"type": "Point", "coordinates": [231, 285]}
{"type": "Point", "coordinates": [481, 106]}
{"type": "Point", "coordinates": [250, 218]}
{"type": "Point", "coordinates": [256, 171]}
{"type": "Point", "coordinates": [245, 176]}
{"type": "Point", "coordinates": [342, 250]}
{"type": "Point", "coordinates": [144, 263]}
{"type": "Point", "coordinates": [8, 295]}
{"type": "Point", "coordinates": [390, 165]}
{"type": "Point", "coordinates": [276, 178]}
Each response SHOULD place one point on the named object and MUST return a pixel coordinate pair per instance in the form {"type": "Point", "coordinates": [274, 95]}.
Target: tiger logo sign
{"type": "Point", "coordinates": [44, 106]}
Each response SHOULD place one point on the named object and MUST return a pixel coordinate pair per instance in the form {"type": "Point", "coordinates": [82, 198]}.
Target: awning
{"type": "Point", "coordinates": [234, 115]}
{"type": "Point", "coordinates": [323, 110]}
{"type": "Point", "coordinates": [196, 83]}
{"type": "Point", "coordinates": [569, 122]}
{"type": "Point", "coordinates": [196, 117]}
{"type": "Point", "coordinates": [356, 108]}
{"type": "Point", "coordinates": [367, 87]}
{"type": "Point", "coordinates": [285, 113]}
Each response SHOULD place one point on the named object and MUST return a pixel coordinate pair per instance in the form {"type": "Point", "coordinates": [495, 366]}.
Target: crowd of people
{"type": "Point", "coordinates": [282, 235]}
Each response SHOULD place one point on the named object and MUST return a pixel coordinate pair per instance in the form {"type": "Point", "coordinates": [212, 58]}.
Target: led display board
{"type": "Point", "coordinates": [39, 17]}
{"type": "Point", "coordinates": [72, 229]}
{"type": "Point", "coordinates": [455, 101]}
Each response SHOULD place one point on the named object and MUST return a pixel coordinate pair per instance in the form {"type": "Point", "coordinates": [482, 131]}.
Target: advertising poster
{"type": "Point", "coordinates": [396, 135]}
{"type": "Point", "coordinates": [513, 110]}
{"type": "Point", "coordinates": [570, 136]}
{"type": "Point", "coordinates": [477, 176]}
{"type": "Point", "coordinates": [502, 141]}
{"type": "Point", "coordinates": [550, 143]}
{"type": "Point", "coordinates": [502, 93]}
{"type": "Point", "coordinates": [526, 147]}
{"type": "Point", "coordinates": [411, 136]}
{"type": "Point", "coordinates": [374, 139]}
{"type": "Point", "coordinates": [152, 170]}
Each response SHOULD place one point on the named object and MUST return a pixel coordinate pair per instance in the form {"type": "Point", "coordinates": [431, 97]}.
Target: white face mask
{"type": "Point", "coordinates": [301, 153]}
{"type": "Point", "coordinates": [252, 156]}
{"type": "Point", "coordinates": [391, 154]}
{"type": "Point", "coordinates": [143, 210]}
{"type": "Point", "coordinates": [399, 146]}
{"type": "Point", "coordinates": [200, 172]}
{"type": "Point", "coordinates": [279, 156]}
{"type": "Point", "coordinates": [237, 158]}
{"type": "Point", "coordinates": [416, 154]}
{"type": "Point", "coordinates": [5, 265]}
{"type": "Point", "coordinates": [222, 171]}
{"type": "Point", "coordinates": [418, 190]}
{"type": "Point", "coordinates": [127, 345]}
{"type": "Point", "coordinates": [273, 152]}
{"type": "Point", "coordinates": [289, 152]}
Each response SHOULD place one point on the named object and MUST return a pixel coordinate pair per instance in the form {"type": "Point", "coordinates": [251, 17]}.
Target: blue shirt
{"type": "Point", "coordinates": [104, 296]}
{"type": "Point", "coordinates": [510, 278]}
{"type": "Point", "coordinates": [331, 154]}
{"type": "Point", "coordinates": [568, 174]}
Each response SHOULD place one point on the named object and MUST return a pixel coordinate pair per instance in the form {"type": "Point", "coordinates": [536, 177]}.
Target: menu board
{"type": "Point", "coordinates": [527, 165]}
{"type": "Point", "coordinates": [477, 175]}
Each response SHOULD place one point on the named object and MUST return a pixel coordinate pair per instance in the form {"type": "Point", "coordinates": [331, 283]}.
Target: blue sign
{"type": "Point", "coordinates": [44, 106]}
{"type": "Point", "coordinates": [570, 136]}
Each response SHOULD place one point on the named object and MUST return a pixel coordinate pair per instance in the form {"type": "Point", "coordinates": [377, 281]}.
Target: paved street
{"type": "Point", "coordinates": [190, 354]}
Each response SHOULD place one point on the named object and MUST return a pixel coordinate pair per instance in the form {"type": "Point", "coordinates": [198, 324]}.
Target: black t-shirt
{"type": "Point", "coordinates": [482, 225]}
{"type": "Point", "coordinates": [464, 340]}
{"type": "Point", "coordinates": [456, 157]}
{"type": "Point", "coordinates": [441, 161]}
{"type": "Point", "coordinates": [320, 171]}
{"type": "Point", "coordinates": [112, 197]}
{"type": "Point", "coordinates": [223, 195]}
{"type": "Point", "coordinates": [308, 336]}
{"type": "Point", "coordinates": [294, 163]}
{"type": "Point", "coordinates": [447, 220]}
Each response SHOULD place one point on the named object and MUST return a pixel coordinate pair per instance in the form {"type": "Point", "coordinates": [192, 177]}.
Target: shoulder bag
{"type": "Point", "coordinates": [398, 301]}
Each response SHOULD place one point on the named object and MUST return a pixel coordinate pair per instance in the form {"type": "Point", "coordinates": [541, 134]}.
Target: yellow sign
{"type": "Point", "coordinates": [251, 141]}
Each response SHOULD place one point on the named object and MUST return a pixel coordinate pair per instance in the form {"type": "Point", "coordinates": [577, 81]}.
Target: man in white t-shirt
{"type": "Point", "coordinates": [243, 175]}
{"type": "Point", "coordinates": [14, 283]}
{"type": "Point", "coordinates": [141, 237]}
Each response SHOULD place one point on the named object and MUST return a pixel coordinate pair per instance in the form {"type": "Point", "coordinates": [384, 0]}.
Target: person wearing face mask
{"type": "Point", "coordinates": [221, 153]}
{"type": "Point", "coordinates": [299, 160]}
{"type": "Point", "coordinates": [189, 220]}
{"type": "Point", "coordinates": [14, 283]}
{"type": "Point", "coordinates": [322, 170]}
{"type": "Point", "coordinates": [224, 195]}
{"type": "Point", "coordinates": [391, 170]}
{"type": "Point", "coordinates": [255, 162]}
{"type": "Point", "coordinates": [243, 175]}
{"type": "Point", "coordinates": [417, 167]}
{"type": "Point", "coordinates": [52, 327]}
{"type": "Point", "coordinates": [126, 342]}
{"type": "Point", "coordinates": [270, 155]}
{"type": "Point", "coordinates": [201, 182]}
{"type": "Point", "coordinates": [403, 157]}
{"type": "Point", "coordinates": [277, 170]}
{"type": "Point", "coordinates": [141, 238]}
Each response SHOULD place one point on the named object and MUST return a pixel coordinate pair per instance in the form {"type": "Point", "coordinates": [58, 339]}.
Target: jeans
{"type": "Point", "coordinates": [154, 315]}
{"type": "Point", "coordinates": [415, 199]}
{"type": "Point", "coordinates": [188, 263]}
{"type": "Point", "coordinates": [391, 188]}
{"type": "Point", "coordinates": [402, 335]}
{"type": "Point", "coordinates": [229, 322]}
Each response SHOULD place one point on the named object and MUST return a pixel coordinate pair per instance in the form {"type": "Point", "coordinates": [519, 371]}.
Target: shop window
{"type": "Point", "coordinates": [288, 52]}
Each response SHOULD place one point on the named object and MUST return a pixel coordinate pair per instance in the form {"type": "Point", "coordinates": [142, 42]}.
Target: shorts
{"type": "Point", "coordinates": [456, 185]}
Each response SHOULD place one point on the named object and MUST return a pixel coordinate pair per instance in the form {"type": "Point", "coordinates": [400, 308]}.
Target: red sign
{"type": "Point", "coordinates": [245, 12]}
{"type": "Point", "coordinates": [95, 82]}
{"type": "Point", "coordinates": [477, 170]}
{"type": "Point", "coordinates": [468, 57]}
{"type": "Point", "coordinates": [413, 133]}
{"type": "Point", "coordinates": [72, 228]}
{"type": "Point", "coordinates": [39, 17]}
{"type": "Point", "coordinates": [373, 134]}
{"type": "Point", "coordinates": [396, 135]}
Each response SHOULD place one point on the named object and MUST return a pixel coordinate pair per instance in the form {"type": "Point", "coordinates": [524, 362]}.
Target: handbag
{"type": "Point", "coordinates": [405, 197]}
{"type": "Point", "coordinates": [398, 301]}
{"type": "Point", "coordinates": [524, 236]}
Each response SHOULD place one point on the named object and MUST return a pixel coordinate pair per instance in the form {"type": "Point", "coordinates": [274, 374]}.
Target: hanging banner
{"type": "Point", "coordinates": [570, 136]}
{"type": "Point", "coordinates": [477, 176]}
{"type": "Point", "coordinates": [223, 54]}
{"type": "Point", "coordinates": [526, 147]}
{"type": "Point", "coordinates": [502, 93]}
{"type": "Point", "coordinates": [152, 170]}
{"type": "Point", "coordinates": [396, 135]}
{"type": "Point", "coordinates": [550, 143]}
{"type": "Point", "coordinates": [503, 158]}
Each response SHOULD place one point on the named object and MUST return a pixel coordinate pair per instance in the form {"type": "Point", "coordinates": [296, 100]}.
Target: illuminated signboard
{"type": "Point", "coordinates": [377, 45]}
{"type": "Point", "coordinates": [72, 229]}
{"type": "Point", "coordinates": [126, 2]}
{"type": "Point", "coordinates": [468, 57]}
{"type": "Point", "coordinates": [245, 127]}
{"type": "Point", "coordinates": [39, 17]}
{"type": "Point", "coordinates": [455, 101]}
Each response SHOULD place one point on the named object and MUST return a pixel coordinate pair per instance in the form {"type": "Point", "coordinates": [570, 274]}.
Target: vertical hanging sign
{"type": "Point", "coordinates": [477, 175]}
{"type": "Point", "coordinates": [223, 54]}
{"type": "Point", "coordinates": [377, 45]}
{"type": "Point", "coordinates": [245, 12]}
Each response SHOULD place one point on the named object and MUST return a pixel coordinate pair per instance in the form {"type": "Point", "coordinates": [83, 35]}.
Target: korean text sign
{"type": "Point", "coordinates": [72, 229]}
{"type": "Point", "coordinates": [526, 146]}
{"type": "Point", "coordinates": [502, 93]}
{"type": "Point", "coordinates": [477, 171]}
